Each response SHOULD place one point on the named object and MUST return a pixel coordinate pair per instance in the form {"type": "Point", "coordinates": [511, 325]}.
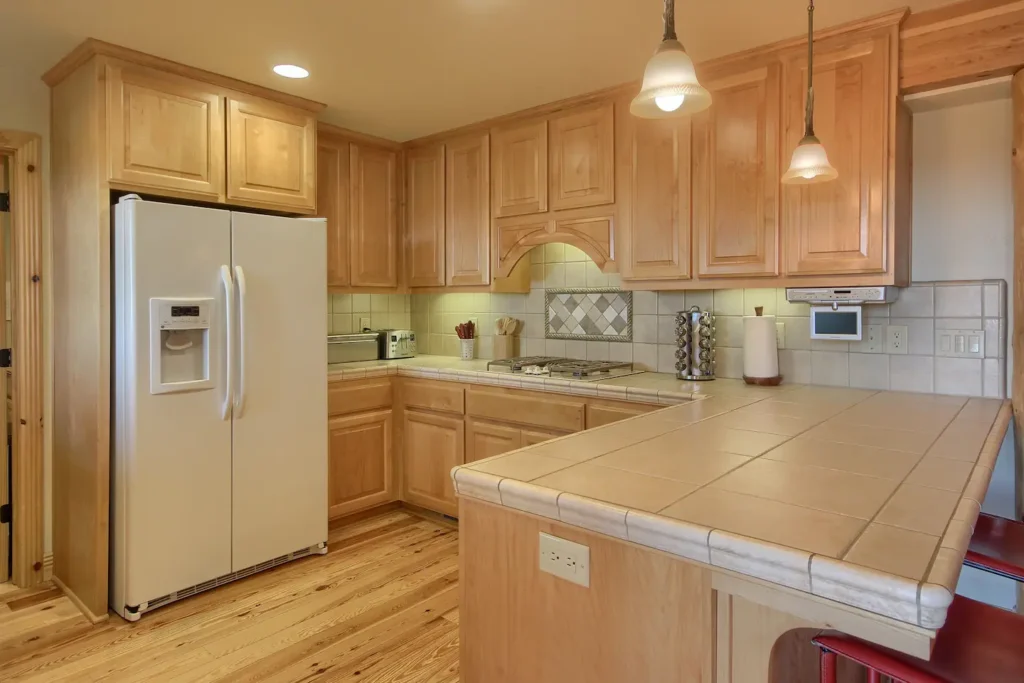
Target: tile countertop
{"type": "Point", "coordinates": [866, 498]}
{"type": "Point", "coordinates": [646, 387]}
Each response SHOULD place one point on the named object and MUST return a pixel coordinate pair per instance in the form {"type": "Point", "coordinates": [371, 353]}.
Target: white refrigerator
{"type": "Point", "coordinates": [219, 464]}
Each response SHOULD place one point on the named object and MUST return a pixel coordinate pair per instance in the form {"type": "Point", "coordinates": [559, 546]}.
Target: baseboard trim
{"type": "Point", "coordinates": [78, 603]}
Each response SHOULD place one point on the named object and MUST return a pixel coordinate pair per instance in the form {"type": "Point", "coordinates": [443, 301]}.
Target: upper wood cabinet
{"type": "Point", "coordinates": [165, 132]}
{"type": "Point", "coordinates": [332, 203]}
{"type": "Point", "coordinates": [736, 175]}
{"type": "Point", "coordinates": [425, 216]}
{"type": "Point", "coordinates": [842, 227]}
{"type": "Point", "coordinates": [359, 462]}
{"type": "Point", "coordinates": [467, 211]}
{"type": "Point", "coordinates": [373, 220]}
{"type": "Point", "coordinates": [519, 169]}
{"type": "Point", "coordinates": [271, 154]}
{"type": "Point", "coordinates": [655, 240]}
{"type": "Point", "coordinates": [583, 157]}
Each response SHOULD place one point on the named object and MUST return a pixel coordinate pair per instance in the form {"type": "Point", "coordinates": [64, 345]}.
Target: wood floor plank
{"type": "Point", "coordinates": [382, 601]}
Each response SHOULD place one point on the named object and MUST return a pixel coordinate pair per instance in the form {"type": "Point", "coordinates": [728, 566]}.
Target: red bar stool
{"type": "Point", "coordinates": [978, 643]}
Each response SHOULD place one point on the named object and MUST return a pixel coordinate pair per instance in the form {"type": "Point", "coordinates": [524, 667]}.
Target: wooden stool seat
{"type": "Point", "coordinates": [978, 644]}
{"type": "Point", "coordinates": [997, 546]}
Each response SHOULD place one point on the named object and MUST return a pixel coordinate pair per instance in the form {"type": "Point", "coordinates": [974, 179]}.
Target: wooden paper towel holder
{"type": "Point", "coordinates": [763, 381]}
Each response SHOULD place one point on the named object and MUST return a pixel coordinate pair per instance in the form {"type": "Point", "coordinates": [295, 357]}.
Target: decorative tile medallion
{"type": "Point", "coordinates": [589, 314]}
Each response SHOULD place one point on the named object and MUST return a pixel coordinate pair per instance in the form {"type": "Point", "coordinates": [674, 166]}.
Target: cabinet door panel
{"type": "Point", "coordinates": [736, 176]}
{"type": "Point", "coordinates": [658, 231]}
{"type": "Point", "coordinates": [165, 132]}
{"type": "Point", "coordinates": [840, 227]}
{"type": "Point", "coordinates": [486, 439]}
{"type": "Point", "coordinates": [271, 154]}
{"type": "Point", "coordinates": [425, 216]}
{"type": "Point", "coordinates": [373, 224]}
{"type": "Point", "coordinates": [332, 204]}
{"type": "Point", "coordinates": [434, 444]}
{"type": "Point", "coordinates": [532, 437]}
{"type": "Point", "coordinates": [583, 158]}
{"type": "Point", "coordinates": [467, 211]}
{"type": "Point", "coordinates": [360, 462]}
{"type": "Point", "coordinates": [520, 176]}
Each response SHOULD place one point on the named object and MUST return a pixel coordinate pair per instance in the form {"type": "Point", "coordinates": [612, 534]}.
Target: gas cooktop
{"type": "Point", "coordinates": [565, 368]}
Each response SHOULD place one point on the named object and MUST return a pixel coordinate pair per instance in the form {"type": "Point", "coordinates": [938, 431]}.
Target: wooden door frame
{"type": "Point", "coordinates": [26, 183]}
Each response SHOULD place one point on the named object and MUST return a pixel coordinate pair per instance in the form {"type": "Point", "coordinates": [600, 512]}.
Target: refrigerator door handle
{"type": "Point", "coordinates": [240, 396]}
{"type": "Point", "coordinates": [229, 301]}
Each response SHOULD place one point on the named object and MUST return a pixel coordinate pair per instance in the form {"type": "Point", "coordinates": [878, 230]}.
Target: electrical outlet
{"type": "Point", "coordinates": [780, 334]}
{"type": "Point", "coordinates": [364, 324]}
{"type": "Point", "coordinates": [565, 559]}
{"type": "Point", "coordinates": [873, 341]}
{"type": "Point", "coordinates": [896, 341]}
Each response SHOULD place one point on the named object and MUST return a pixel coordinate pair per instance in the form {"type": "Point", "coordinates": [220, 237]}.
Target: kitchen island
{"type": "Point", "coordinates": [722, 533]}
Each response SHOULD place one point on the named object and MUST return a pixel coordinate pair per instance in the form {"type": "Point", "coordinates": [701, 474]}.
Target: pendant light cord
{"type": "Point", "coordinates": [670, 20]}
{"type": "Point", "coordinates": [809, 113]}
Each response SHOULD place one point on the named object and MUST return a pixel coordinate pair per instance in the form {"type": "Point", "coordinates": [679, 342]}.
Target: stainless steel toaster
{"type": "Point", "coordinates": [396, 344]}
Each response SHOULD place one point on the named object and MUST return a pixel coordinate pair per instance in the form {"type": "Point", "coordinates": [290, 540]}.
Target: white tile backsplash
{"type": "Point", "coordinates": [922, 308]}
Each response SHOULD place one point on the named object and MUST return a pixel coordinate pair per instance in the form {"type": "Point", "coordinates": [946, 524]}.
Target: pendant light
{"type": "Point", "coordinates": [670, 87]}
{"type": "Point", "coordinates": [810, 162]}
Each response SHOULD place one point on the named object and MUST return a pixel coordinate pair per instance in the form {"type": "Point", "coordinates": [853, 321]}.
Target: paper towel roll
{"type": "Point", "coordinates": [760, 347]}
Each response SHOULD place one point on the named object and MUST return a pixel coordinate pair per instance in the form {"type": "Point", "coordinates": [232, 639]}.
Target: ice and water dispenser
{"type": "Point", "coordinates": [179, 345]}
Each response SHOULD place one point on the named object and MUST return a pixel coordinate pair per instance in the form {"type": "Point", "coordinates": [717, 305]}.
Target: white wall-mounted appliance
{"type": "Point", "coordinates": [837, 313]}
{"type": "Point", "coordinates": [219, 464]}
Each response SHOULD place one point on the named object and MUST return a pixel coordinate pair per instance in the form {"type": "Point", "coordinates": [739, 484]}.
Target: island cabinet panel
{"type": "Point", "coordinates": [583, 157]}
{"type": "Point", "coordinates": [165, 132]}
{"type": "Point", "coordinates": [467, 211]}
{"type": "Point", "coordinates": [332, 205]}
{"type": "Point", "coordinates": [434, 444]}
{"type": "Point", "coordinates": [519, 169]}
{"type": "Point", "coordinates": [271, 154]}
{"type": "Point", "coordinates": [359, 462]}
{"type": "Point", "coordinates": [485, 439]}
{"type": "Point", "coordinates": [524, 407]}
{"type": "Point", "coordinates": [373, 216]}
{"type": "Point", "coordinates": [424, 216]}
{"type": "Point", "coordinates": [736, 175]}
{"type": "Point", "coordinates": [656, 237]}
{"type": "Point", "coordinates": [644, 617]}
{"type": "Point", "coordinates": [840, 227]}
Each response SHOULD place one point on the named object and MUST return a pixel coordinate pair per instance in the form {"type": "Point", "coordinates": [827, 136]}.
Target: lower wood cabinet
{"type": "Point", "coordinates": [434, 444]}
{"type": "Point", "coordinates": [487, 439]}
{"type": "Point", "coordinates": [359, 462]}
{"type": "Point", "coordinates": [599, 414]}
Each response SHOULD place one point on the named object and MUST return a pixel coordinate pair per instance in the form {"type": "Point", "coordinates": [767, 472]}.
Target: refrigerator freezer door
{"type": "Point", "coordinates": [279, 461]}
{"type": "Point", "coordinates": [171, 521]}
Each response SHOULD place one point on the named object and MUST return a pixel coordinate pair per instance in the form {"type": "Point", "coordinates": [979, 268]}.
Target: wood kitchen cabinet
{"type": "Point", "coordinates": [434, 444]}
{"type": "Point", "coordinates": [485, 439]}
{"type": "Point", "coordinates": [425, 216]}
{"type": "Point", "coordinates": [532, 437]}
{"type": "Point", "coordinates": [165, 132]}
{"type": "Point", "coordinates": [583, 157]}
{"type": "Point", "coordinates": [373, 219]}
{"type": "Point", "coordinates": [655, 240]}
{"type": "Point", "coordinates": [519, 169]}
{"type": "Point", "coordinates": [736, 174]}
{"type": "Point", "coordinates": [843, 227]}
{"type": "Point", "coordinates": [332, 204]}
{"type": "Point", "coordinates": [271, 154]}
{"type": "Point", "coordinates": [359, 462]}
{"type": "Point", "coordinates": [467, 211]}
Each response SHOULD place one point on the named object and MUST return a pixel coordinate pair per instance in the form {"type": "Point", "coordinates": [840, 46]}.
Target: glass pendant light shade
{"type": "Point", "coordinates": [670, 85]}
{"type": "Point", "coordinates": [810, 164]}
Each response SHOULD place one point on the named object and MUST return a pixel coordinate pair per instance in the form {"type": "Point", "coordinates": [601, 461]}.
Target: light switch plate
{"type": "Point", "coordinates": [960, 343]}
{"type": "Point", "coordinates": [565, 559]}
{"type": "Point", "coordinates": [874, 339]}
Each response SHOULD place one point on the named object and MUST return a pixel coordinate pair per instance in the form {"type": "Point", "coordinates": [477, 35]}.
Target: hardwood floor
{"type": "Point", "coordinates": [380, 607]}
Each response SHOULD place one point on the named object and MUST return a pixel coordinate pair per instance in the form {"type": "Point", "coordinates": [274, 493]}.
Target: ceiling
{"type": "Point", "coordinates": [406, 68]}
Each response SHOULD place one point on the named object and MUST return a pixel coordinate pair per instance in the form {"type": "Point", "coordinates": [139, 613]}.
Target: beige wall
{"type": "Point", "coordinates": [25, 105]}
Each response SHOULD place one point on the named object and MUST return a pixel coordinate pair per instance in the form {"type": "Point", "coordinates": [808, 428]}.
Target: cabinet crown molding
{"type": "Point", "coordinates": [91, 47]}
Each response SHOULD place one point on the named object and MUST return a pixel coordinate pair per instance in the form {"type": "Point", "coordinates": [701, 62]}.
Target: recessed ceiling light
{"type": "Point", "coordinates": [290, 71]}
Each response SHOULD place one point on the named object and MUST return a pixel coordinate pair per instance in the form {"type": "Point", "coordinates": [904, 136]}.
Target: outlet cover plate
{"type": "Point", "coordinates": [874, 339]}
{"type": "Point", "coordinates": [960, 343]}
{"type": "Point", "coordinates": [896, 341]}
{"type": "Point", "coordinates": [565, 559]}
